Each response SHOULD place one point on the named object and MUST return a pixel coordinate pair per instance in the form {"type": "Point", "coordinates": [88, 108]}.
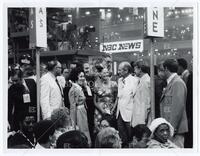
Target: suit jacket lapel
{"type": "Point", "coordinates": [167, 88]}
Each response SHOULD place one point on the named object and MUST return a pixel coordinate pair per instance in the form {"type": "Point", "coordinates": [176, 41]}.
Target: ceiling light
{"type": "Point", "coordinates": [127, 18]}
{"type": "Point", "coordinates": [87, 13]}
{"type": "Point", "coordinates": [108, 15]}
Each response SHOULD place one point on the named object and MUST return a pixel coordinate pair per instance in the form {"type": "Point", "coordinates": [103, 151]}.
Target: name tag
{"type": "Point", "coordinates": [26, 98]}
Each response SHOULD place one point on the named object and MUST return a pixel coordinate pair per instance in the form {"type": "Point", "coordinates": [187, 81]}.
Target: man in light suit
{"type": "Point", "coordinates": [141, 104]}
{"type": "Point", "coordinates": [51, 95]}
{"type": "Point", "coordinates": [173, 101]}
{"type": "Point", "coordinates": [127, 85]}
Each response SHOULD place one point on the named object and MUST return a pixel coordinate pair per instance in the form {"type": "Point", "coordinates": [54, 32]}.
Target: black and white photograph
{"type": "Point", "coordinates": [100, 76]}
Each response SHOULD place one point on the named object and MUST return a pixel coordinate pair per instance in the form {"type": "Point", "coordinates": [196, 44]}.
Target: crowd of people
{"type": "Point", "coordinates": [83, 109]}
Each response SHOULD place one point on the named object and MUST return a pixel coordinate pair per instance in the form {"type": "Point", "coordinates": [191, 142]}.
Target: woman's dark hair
{"type": "Point", "coordinates": [142, 65]}
{"type": "Point", "coordinates": [171, 65]}
{"type": "Point", "coordinates": [75, 73]}
{"type": "Point", "coordinates": [132, 64]}
{"type": "Point", "coordinates": [72, 139]}
{"type": "Point", "coordinates": [139, 130]}
{"type": "Point", "coordinates": [29, 70]}
{"type": "Point", "coordinates": [43, 130]}
{"type": "Point", "coordinates": [17, 72]}
{"type": "Point", "coordinates": [109, 119]}
{"type": "Point", "coordinates": [51, 65]}
{"type": "Point", "coordinates": [183, 63]}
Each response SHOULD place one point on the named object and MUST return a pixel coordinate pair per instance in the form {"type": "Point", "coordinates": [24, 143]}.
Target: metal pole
{"type": "Point", "coordinates": [152, 78]}
{"type": "Point", "coordinates": [38, 82]}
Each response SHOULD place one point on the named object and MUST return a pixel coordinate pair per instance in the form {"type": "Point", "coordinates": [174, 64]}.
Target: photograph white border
{"type": "Point", "coordinates": [98, 3]}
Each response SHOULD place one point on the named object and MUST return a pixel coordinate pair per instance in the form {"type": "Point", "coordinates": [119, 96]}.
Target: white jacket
{"type": "Point", "coordinates": [50, 95]}
{"type": "Point", "coordinates": [126, 93]}
{"type": "Point", "coordinates": [141, 102]}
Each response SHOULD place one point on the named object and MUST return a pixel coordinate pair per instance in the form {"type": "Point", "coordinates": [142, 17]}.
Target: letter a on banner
{"type": "Point", "coordinates": [37, 39]}
{"type": "Point", "coordinates": [38, 27]}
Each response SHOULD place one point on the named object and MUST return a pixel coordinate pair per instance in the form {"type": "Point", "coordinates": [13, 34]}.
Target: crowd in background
{"type": "Point", "coordinates": [84, 109]}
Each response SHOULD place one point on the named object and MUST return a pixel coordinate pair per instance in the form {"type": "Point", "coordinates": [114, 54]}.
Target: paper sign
{"type": "Point", "coordinates": [155, 22]}
{"type": "Point", "coordinates": [38, 27]}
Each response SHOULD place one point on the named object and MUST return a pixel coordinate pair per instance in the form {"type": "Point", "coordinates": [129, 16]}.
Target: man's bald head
{"type": "Point", "coordinates": [124, 69]}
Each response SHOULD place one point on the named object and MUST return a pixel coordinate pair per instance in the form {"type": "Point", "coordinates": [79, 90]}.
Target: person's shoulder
{"type": "Point", "coordinates": [153, 144]}
{"type": "Point", "coordinates": [172, 145]}
{"type": "Point", "coordinates": [133, 78]}
{"type": "Point", "coordinates": [178, 81]}
{"type": "Point", "coordinates": [119, 80]}
{"type": "Point", "coordinates": [16, 139]}
{"type": "Point", "coordinates": [45, 76]}
{"type": "Point", "coordinates": [75, 88]}
{"type": "Point", "coordinates": [60, 77]}
{"type": "Point", "coordinates": [145, 78]}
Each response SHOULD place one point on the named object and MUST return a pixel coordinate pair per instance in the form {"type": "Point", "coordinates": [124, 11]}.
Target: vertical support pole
{"type": "Point", "coordinates": [38, 82]}
{"type": "Point", "coordinates": [152, 78]}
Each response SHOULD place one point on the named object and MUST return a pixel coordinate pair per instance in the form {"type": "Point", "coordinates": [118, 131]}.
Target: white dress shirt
{"type": "Point", "coordinates": [142, 101]}
{"type": "Point", "coordinates": [126, 92]}
{"type": "Point", "coordinates": [50, 95]}
{"type": "Point", "coordinates": [61, 81]}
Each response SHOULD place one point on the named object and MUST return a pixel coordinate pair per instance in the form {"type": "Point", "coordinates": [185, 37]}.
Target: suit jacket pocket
{"type": "Point", "coordinates": [166, 107]}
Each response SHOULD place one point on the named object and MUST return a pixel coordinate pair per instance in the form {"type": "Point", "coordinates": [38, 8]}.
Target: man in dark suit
{"type": "Point", "coordinates": [187, 77]}
{"type": "Point", "coordinates": [173, 101]}
{"type": "Point", "coordinates": [88, 90]}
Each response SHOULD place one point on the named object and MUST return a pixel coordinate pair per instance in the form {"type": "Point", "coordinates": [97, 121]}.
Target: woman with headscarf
{"type": "Point", "coordinates": [161, 130]}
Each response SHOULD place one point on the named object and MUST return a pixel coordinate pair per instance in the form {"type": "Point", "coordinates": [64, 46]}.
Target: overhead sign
{"type": "Point", "coordinates": [37, 27]}
{"type": "Point", "coordinates": [123, 46]}
{"type": "Point", "coordinates": [155, 22]}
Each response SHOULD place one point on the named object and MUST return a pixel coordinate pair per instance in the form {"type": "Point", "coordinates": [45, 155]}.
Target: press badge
{"type": "Point", "coordinates": [26, 98]}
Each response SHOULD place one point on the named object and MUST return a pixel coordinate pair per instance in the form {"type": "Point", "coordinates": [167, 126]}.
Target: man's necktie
{"type": "Point", "coordinates": [60, 90]}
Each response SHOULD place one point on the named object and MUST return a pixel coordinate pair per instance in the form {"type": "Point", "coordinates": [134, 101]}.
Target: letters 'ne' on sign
{"type": "Point", "coordinates": [155, 22]}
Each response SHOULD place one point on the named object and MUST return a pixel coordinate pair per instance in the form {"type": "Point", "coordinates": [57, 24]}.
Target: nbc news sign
{"type": "Point", "coordinates": [123, 46]}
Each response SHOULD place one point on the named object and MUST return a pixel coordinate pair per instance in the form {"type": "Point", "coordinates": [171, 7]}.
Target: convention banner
{"type": "Point", "coordinates": [38, 27]}
{"type": "Point", "coordinates": [155, 22]}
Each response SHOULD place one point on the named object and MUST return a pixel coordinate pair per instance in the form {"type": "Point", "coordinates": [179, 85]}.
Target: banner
{"type": "Point", "coordinates": [155, 22]}
{"type": "Point", "coordinates": [123, 46]}
{"type": "Point", "coordinates": [38, 27]}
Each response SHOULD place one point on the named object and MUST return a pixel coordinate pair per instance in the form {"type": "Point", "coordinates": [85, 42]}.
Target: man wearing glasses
{"type": "Point", "coordinates": [51, 95]}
